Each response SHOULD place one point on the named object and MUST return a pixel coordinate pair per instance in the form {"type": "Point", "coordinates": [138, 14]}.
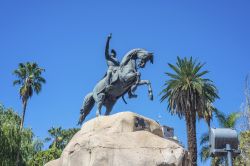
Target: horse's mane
{"type": "Point", "coordinates": [129, 54]}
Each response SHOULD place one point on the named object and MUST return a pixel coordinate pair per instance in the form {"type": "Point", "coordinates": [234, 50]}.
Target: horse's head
{"type": "Point", "coordinates": [139, 54]}
{"type": "Point", "coordinates": [144, 56]}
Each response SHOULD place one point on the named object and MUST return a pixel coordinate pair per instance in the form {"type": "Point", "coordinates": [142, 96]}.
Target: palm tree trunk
{"type": "Point", "coordinates": [23, 114]}
{"type": "Point", "coordinates": [21, 128]}
{"type": "Point", "coordinates": [192, 142]}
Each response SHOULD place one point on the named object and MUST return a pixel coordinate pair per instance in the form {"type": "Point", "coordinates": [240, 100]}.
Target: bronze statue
{"type": "Point", "coordinates": [120, 79]}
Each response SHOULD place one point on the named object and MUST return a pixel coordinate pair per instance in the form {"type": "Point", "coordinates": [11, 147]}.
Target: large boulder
{"type": "Point", "coordinates": [122, 139]}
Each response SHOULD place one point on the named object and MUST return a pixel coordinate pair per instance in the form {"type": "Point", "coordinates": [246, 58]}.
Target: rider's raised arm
{"type": "Point", "coordinates": [107, 48]}
{"type": "Point", "coordinates": [114, 60]}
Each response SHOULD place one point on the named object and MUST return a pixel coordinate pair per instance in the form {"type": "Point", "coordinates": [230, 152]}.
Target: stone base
{"type": "Point", "coordinates": [122, 139]}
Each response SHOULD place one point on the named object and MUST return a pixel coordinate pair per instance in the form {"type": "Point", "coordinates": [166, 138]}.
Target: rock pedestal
{"type": "Point", "coordinates": [122, 139]}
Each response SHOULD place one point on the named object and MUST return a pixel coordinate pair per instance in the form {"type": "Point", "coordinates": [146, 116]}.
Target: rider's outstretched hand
{"type": "Point", "coordinates": [110, 36]}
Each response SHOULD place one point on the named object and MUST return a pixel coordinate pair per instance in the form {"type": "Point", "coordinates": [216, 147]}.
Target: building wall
{"type": "Point", "coordinates": [168, 132]}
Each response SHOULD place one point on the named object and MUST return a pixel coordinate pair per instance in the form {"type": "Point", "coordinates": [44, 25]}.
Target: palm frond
{"type": "Point", "coordinates": [174, 68]}
{"type": "Point", "coordinates": [204, 139]}
{"type": "Point", "coordinates": [221, 117]}
{"type": "Point", "coordinates": [16, 82]}
{"type": "Point", "coordinates": [204, 154]}
{"type": "Point", "coordinates": [186, 88]}
{"type": "Point", "coordinates": [201, 73]}
{"type": "Point", "coordinates": [30, 79]}
{"type": "Point", "coordinates": [231, 119]}
{"type": "Point", "coordinates": [37, 87]}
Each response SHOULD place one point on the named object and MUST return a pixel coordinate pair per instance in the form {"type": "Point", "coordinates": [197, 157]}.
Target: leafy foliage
{"type": "Point", "coordinates": [42, 157]}
{"type": "Point", "coordinates": [31, 153]}
{"type": "Point", "coordinates": [227, 121]}
{"type": "Point", "coordinates": [189, 95]}
{"type": "Point", "coordinates": [11, 136]}
{"type": "Point", "coordinates": [244, 158]}
{"type": "Point", "coordinates": [60, 137]}
{"type": "Point", "coordinates": [204, 141]}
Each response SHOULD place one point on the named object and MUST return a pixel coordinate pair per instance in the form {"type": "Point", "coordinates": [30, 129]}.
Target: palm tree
{"type": "Point", "coordinates": [190, 96]}
{"type": "Point", "coordinates": [60, 137]}
{"type": "Point", "coordinates": [56, 135]}
{"type": "Point", "coordinates": [29, 78]}
{"type": "Point", "coordinates": [225, 121]}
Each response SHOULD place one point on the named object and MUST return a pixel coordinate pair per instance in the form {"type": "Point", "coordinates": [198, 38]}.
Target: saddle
{"type": "Point", "coordinates": [115, 76]}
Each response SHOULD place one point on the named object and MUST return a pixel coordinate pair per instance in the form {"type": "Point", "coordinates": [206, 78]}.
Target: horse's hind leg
{"type": "Point", "coordinates": [99, 102]}
{"type": "Point", "coordinates": [109, 107]}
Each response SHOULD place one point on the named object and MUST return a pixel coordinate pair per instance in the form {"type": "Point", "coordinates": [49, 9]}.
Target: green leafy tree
{"type": "Point", "coordinates": [60, 137]}
{"type": "Point", "coordinates": [42, 157]}
{"type": "Point", "coordinates": [56, 137]}
{"type": "Point", "coordinates": [225, 121]}
{"type": "Point", "coordinates": [244, 158]}
{"type": "Point", "coordinates": [29, 78]}
{"type": "Point", "coordinates": [189, 95]}
{"type": "Point", "coordinates": [11, 136]}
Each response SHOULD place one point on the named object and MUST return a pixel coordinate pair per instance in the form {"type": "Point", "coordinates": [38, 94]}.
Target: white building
{"type": "Point", "coordinates": [168, 132]}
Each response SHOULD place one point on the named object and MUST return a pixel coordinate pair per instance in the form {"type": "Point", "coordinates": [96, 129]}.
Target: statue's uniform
{"type": "Point", "coordinates": [112, 63]}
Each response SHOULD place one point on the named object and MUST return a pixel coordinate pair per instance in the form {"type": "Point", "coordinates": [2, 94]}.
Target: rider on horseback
{"type": "Point", "coordinates": [112, 62]}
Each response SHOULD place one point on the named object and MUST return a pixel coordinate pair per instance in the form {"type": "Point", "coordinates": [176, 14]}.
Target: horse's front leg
{"type": "Point", "coordinates": [131, 92]}
{"type": "Point", "coordinates": [148, 83]}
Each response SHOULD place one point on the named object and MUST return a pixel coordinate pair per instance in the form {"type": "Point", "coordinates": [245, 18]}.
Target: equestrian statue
{"type": "Point", "coordinates": [120, 79]}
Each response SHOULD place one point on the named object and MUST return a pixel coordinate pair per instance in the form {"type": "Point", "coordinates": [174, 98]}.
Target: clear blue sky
{"type": "Point", "coordinates": [67, 38]}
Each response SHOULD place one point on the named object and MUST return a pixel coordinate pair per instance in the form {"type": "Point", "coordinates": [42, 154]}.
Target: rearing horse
{"type": "Point", "coordinates": [125, 79]}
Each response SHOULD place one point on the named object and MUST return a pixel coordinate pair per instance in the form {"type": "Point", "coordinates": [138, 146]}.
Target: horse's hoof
{"type": "Point", "coordinates": [132, 96]}
{"type": "Point", "coordinates": [151, 97]}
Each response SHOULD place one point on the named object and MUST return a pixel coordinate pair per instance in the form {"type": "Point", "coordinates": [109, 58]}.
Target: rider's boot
{"type": "Point", "coordinates": [108, 82]}
{"type": "Point", "coordinates": [108, 87]}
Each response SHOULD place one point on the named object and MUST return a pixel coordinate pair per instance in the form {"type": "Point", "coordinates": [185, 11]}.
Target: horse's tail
{"type": "Point", "coordinates": [88, 104]}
